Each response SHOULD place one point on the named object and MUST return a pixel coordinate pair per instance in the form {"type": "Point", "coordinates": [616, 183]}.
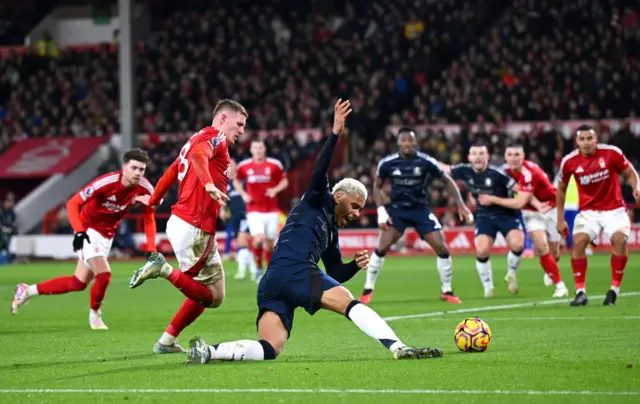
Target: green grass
{"type": "Point", "coordinates": [49, 345]}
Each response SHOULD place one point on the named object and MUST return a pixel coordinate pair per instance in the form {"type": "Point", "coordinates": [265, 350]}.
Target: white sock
{"type": "Point", "coordinates": [373, 270]}
{"type": "Point", "coordinates": [616, 289]}
{"type": "Point", "coordinates": [243, 350]}
{"type": "Point", "coordinates": [445, 269]}
{"type": "Point", "coordinates": [486, 274]}
{"type": "Point", "coordinates": [583, 290]}
{"type": "Point", "coordinates": [374, 326]}
{"type": "Point", "coordinates": [94, 313]}
{"type": "Point", "coordinates": [244, 256]}
{"type": "Point", "coordinates": [513, 262]}
{"type": "Point", "coordinates": [33, 290]}
{"type": "Point", "coordinates": [167, 339]}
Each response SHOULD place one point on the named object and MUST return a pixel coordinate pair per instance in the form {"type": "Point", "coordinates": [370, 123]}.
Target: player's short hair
{"type": "Point", "coordinates": [514, 144]}
{"type": "Point", "coordinates": [407, 130]}
{"type": "Point", "coordinates": [229, 104]}
{"type": "Point", "coordinates": [350, 186]}
{"type": "Point", "coordinates": [479, 143]}
{"type": "Point", "coordinates": [585, 128]}
{"type": "Point", "coordinates": [135, 154]}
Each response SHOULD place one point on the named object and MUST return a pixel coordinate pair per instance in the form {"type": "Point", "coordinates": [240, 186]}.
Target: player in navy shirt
{"type": "Point", "coordinates": [410, 171]}
{"type": "Point", "coordinates": [294, 279]}
{"type": "Point", "coordinates": [483, 178]}
{"type": "Point", "coordinates": [239, 228]}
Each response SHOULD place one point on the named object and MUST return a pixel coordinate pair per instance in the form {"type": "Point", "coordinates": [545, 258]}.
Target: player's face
{"type": "Point", "coordinates": [258, 150]}
{"type": "Point", "coordinates": [478, 157]}
{"type": "Point", "coordinates": [406, 143]}
{"type": "Point", "coordinates": [232, 124]}
{"type": "Point", "coordinates": [586, 141]}
{"type": "Point", "coordinates": [133, 171]}
{"type": "Point", "coordinates": [514, 157]}
{"type": "Point", "coordinates": [349, 208]}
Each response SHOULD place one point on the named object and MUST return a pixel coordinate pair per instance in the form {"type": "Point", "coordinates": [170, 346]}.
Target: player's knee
{"type": "Point", "coordinates": [77, 285]}
{"type": "Point", "coordinates": [619, 243]}
{"type": "Point", "coordinates": [258, 240]}
{"type": "Point", "coordinates": [542, 249]}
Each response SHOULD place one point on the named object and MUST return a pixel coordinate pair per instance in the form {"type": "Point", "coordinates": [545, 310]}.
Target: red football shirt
{"type": "Point", "coordinates": [258, 177]}
{"type": "Point", "coordinates": [531, 178]}
{"type": "Point", "coordinates": [107, 201]}
{"type": "Point", "coordinates": [596, 177]}
{"type": "Point", "coordinates": [195, 206]}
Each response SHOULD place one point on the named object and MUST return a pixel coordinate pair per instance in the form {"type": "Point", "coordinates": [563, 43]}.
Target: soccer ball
{"type": "Point", "coordinates": [472, 335]}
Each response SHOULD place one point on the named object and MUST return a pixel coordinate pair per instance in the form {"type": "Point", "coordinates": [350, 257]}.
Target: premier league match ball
{"type": "Point", "coordinates": [472, 335]}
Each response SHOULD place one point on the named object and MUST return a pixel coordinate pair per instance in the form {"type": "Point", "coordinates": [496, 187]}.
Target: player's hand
{"type": "Point", "coordinates": [636, 195]}
{"type": "Point", "coordinates": [271, 193]}
{"type": "Point", "coordinates": [465, 214]}
{"type": "Point", "coordinates": [342, 111]}
{"type": "Point", "coordinates": [216, 194]}
{"type": "Point", "coordinates": [563, 228]}
{"type": "Point", "coordinates": [362, 259]}
{"type": "Point", "coordinates": [143, 199]}
{"type": "Point", "coordinates": [246, 198]}
{"type": "Point", "coordinates": [223, 214]}
{"type": "Point", "coordinates": [78, 240]}
{"type": "Point", "coordinates": [485, 200]}
{"type": "Point", "coordinates": [472, 203]}
{"type": "Point", "coordinates": [544, 207]}
{"type": "Point", "coordinates": [383, 218]}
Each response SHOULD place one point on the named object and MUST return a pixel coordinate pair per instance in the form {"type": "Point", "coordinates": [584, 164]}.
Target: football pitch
{"type": "Point", "coordinates": [542, 349]}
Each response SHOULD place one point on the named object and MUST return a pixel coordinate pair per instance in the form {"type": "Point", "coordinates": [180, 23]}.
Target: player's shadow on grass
{"type": "Point", "coordinates": [125, 370]}
{"type": "Point", "coordinates": [120, 358]}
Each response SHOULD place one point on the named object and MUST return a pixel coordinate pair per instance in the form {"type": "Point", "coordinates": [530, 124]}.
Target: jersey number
{"type": "Point", "coordinates": [184, 162]}
{"type": "Point", "coordinates": [434, 219]}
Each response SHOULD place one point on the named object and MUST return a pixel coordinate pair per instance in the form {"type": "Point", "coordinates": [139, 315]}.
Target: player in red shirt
{"type": "Point", "coordinates": [596, 168]}
{"type": "Point", "coordinates": [202, 170]}
{"type": "Point", "coordinates": [264, 179]}
{"type": "Point", "coordinates": [104, 202]}
{"type": "Point", "coordinates": [537, 199]}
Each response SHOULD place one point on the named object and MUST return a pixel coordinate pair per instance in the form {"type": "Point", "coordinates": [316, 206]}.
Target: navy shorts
{"type": "Point", "coordinates": [238, 225]}
{"type": "Point", "coordinates": [423, 220]}
{"type": "Point", "coordinates": [285, 287]}
{"type": "Point", "coordinates": [491, 226]}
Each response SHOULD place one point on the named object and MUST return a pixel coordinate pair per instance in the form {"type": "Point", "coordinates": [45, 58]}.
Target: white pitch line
{"type": "Point", "coordinates": [499, 307]}
{"type": "Point", "coordinates": [327, 391]}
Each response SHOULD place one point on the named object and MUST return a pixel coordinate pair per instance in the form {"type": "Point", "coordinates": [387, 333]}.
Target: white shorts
{"type": "Point", "coordinates": [263, 223]}
{"type": "Point", "coordinates": [535, 221]}
{"type": "Point", "coordinates": [196, 251]}
{"type": "Point", "coordinates": [98, 246]}
{"type": "Point", "coordinates": [593, 222]}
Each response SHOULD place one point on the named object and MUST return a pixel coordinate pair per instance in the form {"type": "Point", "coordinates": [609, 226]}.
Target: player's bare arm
{"type": "Point", "coordinates": [521, 200]}
{"type": "Point", "coordinates": [282, 185]}
{"type": "Point", "coordinates": [342, 111]}
{"type": "Point", "coordinates": [631, 175]}
{"type": "Point", "coordinates": [379, 197]}
{"type": "Point", "coordinates": [561, 196]}
{"type": "Point", "coordinates": [243, 193]}
{"type": "Point", "coordinates": [542, 207]}
{"type": "Point", "coordinates": [463, 212]}
{"type": "Point", "coordinates": [445, 167]}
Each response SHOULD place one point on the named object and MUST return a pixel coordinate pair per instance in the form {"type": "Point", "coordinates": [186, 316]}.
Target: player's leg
{"type": "Point", "coordinates": [256, 223]}
{"type": "Point", "coordinates": [585, 229]}
{"type": "Point", "coordinates": [430, 231]}
{"type": "Point", "coordinates": [270, 233]}
{"type": "Point", "coordinates": [515, 241]}
{"type": "Point", "coordinates": [55, 286]}
{"type": "Point", "coordinates": [101, 280]}
{"type": "Point", "coordinates": [386, 239]}
{"type": "Point", "coordinates": [230, 236]}
{"type": "Point", "coordinates": [245, 259]}
{"type": "Point", "coordinates": [339, 300]}
{"type": "Point", "coordinates": [485, 235]}
{"type": "Point", "coordinates": [617, 225]}
{"type": "Point", "coordinates": [548, 262]}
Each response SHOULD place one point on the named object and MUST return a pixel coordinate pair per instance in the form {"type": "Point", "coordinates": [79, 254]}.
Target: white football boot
{"type": "Point", "coordinates": [95, 320]}
{"type": "Point", "coordinates": [561, 290]}
{"type": "Point", "coordinates": [20, 298]}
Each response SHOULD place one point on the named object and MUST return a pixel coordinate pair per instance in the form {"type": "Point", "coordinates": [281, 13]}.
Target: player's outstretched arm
{"type": "Point", "coordinates": [343, 272]}
{"type": "Point", "coordinates": [464, 212]}
{"type": "Point", "coordinates": [319, 180]}
{"type": "Point", "coordinates": [150, 228]}
{"type": "Point", "coordinates": [520, 201]}
{"type": "Point", "coordinates": [199, 158]}
{"type": "Point", "coordinates": [164, 184]}
{"type": "Point", "coordinates": [631, 175]}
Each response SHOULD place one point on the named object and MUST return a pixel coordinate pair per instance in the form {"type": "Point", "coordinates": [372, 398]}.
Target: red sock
{"type": "Point", "coordinates": [257, 255]}
{"type": "Point", "coordinates": [99, 289]}
{"type": "Point", "coordinates": [190, 288]}
{"type": "Point", "coordinates": [579, 269]}
{"type": "Point", "coordinates": [618, 264]}
{"type": "Point", "coordinates": [267, 256]}
{"type": "Point", "coordinates": [187, 314]}
{"type": "Point", "coordinates": [63, 284]}
{"type": "Point", "coordinates": [550, 266]}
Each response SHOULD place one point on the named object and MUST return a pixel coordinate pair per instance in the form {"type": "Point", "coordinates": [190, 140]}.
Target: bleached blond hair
{"type": "Point", "coordinates": [350, 186]}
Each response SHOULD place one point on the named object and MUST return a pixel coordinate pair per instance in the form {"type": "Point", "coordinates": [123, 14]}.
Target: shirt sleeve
{"type": "Point", "coordinates": [382, 172]}
{"type": "Point", "coordinates": [619, 160]}
{"type": "Point", "coordinates": [458, 171]}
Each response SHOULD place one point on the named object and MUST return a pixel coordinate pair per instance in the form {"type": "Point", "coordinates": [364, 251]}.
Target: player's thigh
{"type": "Point", "coordinates": [272, 329]}
{"type": "Point", "coordinates": [387, 238]}
{"type": "Point", "coordinates": [336, 299]}
{"type": "Point", "coordinates": [515, 239]}
{"type": "Point", "coordinates": [483, 244]}
{"type": "Point", "coordinates": [212, 276]}
{"type": "Point", "coordinates": [587, 222]}
{"type": "Point", "coordinates": [256, 224]}
{"type": "Point", "coordinates": [429, 228]}
{"type": "Point", "coordinates": [539, 238]}
{"type": "Point", "coordinates": [271, 221]}
{"type": "Point", "coordinates": [95, 252]}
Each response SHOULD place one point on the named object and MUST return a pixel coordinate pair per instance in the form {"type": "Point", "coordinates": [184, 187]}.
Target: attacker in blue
{"type": "Point", "coordinates": [410, 172]}
{"type": "Point", "coordinates": [294, 279]}
{"type": "Point", "coordinates": [485, 179]}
